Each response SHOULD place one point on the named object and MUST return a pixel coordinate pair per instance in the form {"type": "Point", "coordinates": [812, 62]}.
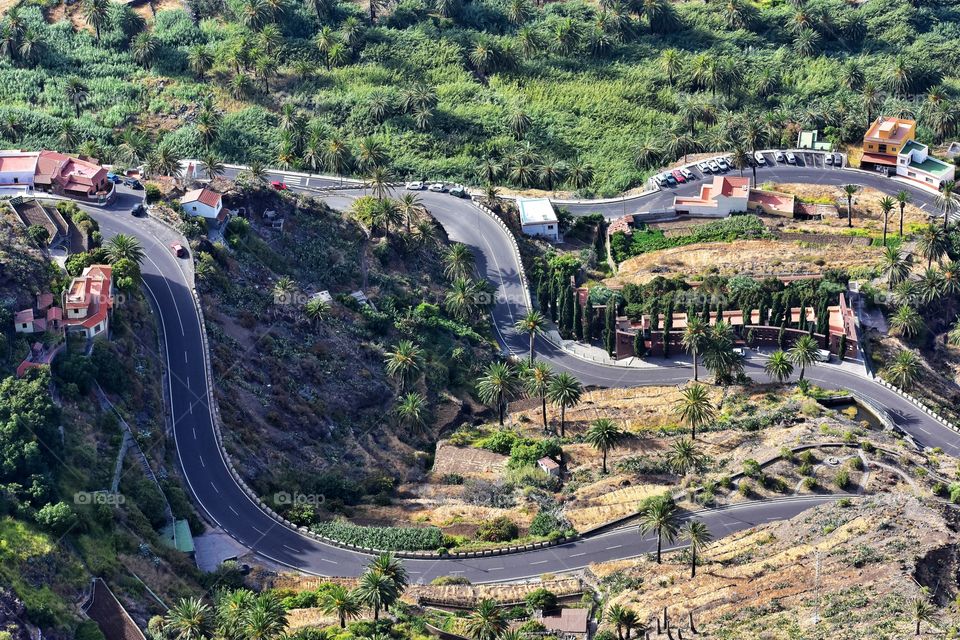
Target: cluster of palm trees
{"type": "Point", "coordinates": [235, 615]}
{"type": "Point", "coordinates": [527, 167]}
{"type": "Point", "coordinates": [715, 344]}
{"type": "Point", "coordinates": [467, 298]}
{"type": "Point", "coordinates": [502, 381]}
{"type": "Point", "coordinates": [378, 588]}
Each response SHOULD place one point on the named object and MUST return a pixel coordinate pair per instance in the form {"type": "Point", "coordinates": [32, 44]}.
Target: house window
{"type": "Point", "coordinates": [16, 181]}
{"type": "Point", "coordinates": [550, 227]}
{"type": "Point", "coordinates": [883, 148]}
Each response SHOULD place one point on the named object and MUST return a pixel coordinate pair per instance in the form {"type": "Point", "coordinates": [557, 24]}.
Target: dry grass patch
{"type": "Point", "coordinates": [866, 208]}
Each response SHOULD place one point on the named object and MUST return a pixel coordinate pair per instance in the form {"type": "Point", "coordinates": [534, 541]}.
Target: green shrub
{"type": "Point", "coordinates": [541, 600]}
{"type": "Point", "coordinates": [382, 538]}
{"type": "Point", "coordinates": [842, 479]}
{"type": "Point", "coordinates": [500, 529]}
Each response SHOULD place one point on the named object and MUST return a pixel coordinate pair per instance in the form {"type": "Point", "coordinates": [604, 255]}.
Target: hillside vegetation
{"type": "Point", "coordinates": [587, 96]}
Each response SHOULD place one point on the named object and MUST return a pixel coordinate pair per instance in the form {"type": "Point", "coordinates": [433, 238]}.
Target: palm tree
{"type": "Point", "coordinates": [947, 201]}
{"type": "Point", "coordinates": [380, 178]}
{"type": "Point", "coordinates": [565, 392]}
{"type": "Point", "coordinates": [922, 612]}
{"type": "Point", "coordinates": [486, 622]}
{"type": "Point", "coordinates": [189, 619]}
{"type": "Point", "coordinates": [604, 435]}
{"type": "Point", "coordinates": [458, 261]}
{"type": "Point", "coordinates": [932, 243]}
{"type": "Point", "coordinates": [76, 93]}
{"type": "Point", "coordinates": [96, 13]}
{"type": "Point", "coordinates": [67, 136]}
{"type": "Point", "coordinates": [212, 165]}
{"type": "Point", "coordinates": [779, 366]}
{"type": "Point", "coordinates": [199, 60]}
{"type": "Point", "coordinates": [257, 172]}
{"type": "Point", "coordinates": [671, 63]}
{"type": "Point", "coordinates": [906, 322]}
{"type": "Point", "coordinates": [537, 379]}
{"type": "Point", "coordinates": [376, 591]}
{"type": "Point", "coordinates": [895, 266]}
{"type": "Point", "coordinates": [232, 608]}
{"type": "Point", "coordinates": [164, 162]}
{"type": "Point", "coordinates": [530, 324]}
{"type": "Point", "coordinates": [338, 157]}
{"type": "Point", "coordinates": [496, 385]}
{"type": "Point", "coordinates": [903, 370]}
{"type": "Point", "coordinates": [404, 361]}
{"type": "Point", "coordinates": [695, 408]}
{"type": "Point", "coordinates": [697, 533]}
{"type": "Point", "coordinates": [266, 619]}
{"type": "Point", "coordinates": [338, 600]}
{"type": "Point", "coordinates": [903, 197]}
{"type": "Point", "coordinates": [660, 516]}
{"type": "Point", "coordinates": [410, 409]}
{"type": "Point", "coordinates": [461, 300]}
{"type": "Point", "coordinates": [930, 286]}
{"type": "Point", "coordinates": [124, 247]}
{"type": "Point", "coordinates": [804, 352]}
{"type": "Point", "coordinates": [850, 190]}
{"type": "Point", "coordinates": [143, 48]}
{"type": "Point", "coordinates": [316, 310]}
{"type": "Point", "coordinates": [409, 205]}
{"type": "Point", "coordinates": [685, 458]}
{"type": "Point", "coordinates": [886, 205]}
{"type": "Point", "coordinates": [390, 566]}
{"type": "Point", "coordinates": [616, 615]}
{"type": "Point", "coordinates": [694, 339]}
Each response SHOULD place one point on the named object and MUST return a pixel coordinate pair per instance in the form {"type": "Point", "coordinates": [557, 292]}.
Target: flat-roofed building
{"type": "Point", "coordinates": [537, 218]}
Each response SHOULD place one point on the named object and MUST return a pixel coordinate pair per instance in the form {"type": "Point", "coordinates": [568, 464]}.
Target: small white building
{"type": "Point", "coordinates": [549, 466]}
{"type": "Point", "coordinates": [537, 218]}
{"type": "Point", "coordinates": [18, 167]}
{"type": "Point", "coordinates": [205, 203]}
{"type": "Point", "coordinates": [914, 162]}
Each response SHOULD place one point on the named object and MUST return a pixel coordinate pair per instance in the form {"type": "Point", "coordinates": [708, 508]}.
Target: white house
{"type": "Point", "coordinates": [914, 162]}
{"type": "Point", "coordinates": [88, 301]}
{"type": "Point", "coordinates": [205, 203]}
{"type": "Point", "coordinates": [718, 199]}
{"type": "Point", "coordinates": [537, 218]}
{"type": "Point", "coordinates": [18, 167]}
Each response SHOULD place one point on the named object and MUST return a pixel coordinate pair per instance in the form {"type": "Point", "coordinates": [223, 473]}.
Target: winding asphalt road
{"type": "Point", "coordinates": [225, 504]}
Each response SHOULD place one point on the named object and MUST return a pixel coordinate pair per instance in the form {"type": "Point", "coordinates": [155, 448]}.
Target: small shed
{"type": "Point", "coordinates": [568, 622]}
{"type": "Point", "coordinates": [537, 218]}
{"type": "Point", "coordinates": [549, 465]}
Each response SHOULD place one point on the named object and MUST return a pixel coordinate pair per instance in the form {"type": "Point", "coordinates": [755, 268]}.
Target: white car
{"type": "Point", "coordinates": [779, 156]}
{"type": "Point", "coordinates": [714, 167]}
{"type": "Point", "coordinates": [686, 173]}
{"type": "Point", "coordinates": [415, 186]}
{"type": "Point", "coordinates": [722, 163]}
{"type": "Point", "coordinates": [437, 187]}
{"type": "Point", "coordinates": [791, 159]}
{"type": "Point", "coordinates": [659, 181]}
{"type": "Point", "coordinates": [829, 159]}
{"type": "Point", "coordinates": [759, 158]}
{"type": "Point", "coordinates": [823, 355]}
{"type": "Point", "coordinates": [704, 167]}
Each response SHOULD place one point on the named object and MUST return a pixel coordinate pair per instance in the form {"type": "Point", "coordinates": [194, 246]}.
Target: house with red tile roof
{"type": "Point", "coordinates": [41, 318]}
{"type": "Point", "coordinates": [205, 203]}
{"type": "Point", "coordinates": [74, 176]}
{"type": "Point", "coordinates": [718, 199]}
{"type": "Point", "coordinates": [88, 300]}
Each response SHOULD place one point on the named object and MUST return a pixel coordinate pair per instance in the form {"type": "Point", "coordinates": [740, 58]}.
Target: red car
{"type": "Point", "coordinates": [178, 250]}
{"type": "Point", "coordinates": [679, 176]}
{"type": "Point", "coordinates": [279, 186]}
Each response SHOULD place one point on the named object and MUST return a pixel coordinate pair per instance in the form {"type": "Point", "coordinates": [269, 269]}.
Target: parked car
{"type": "Point", "coordinates": [722, 163]}
{"type": "Point", "coordinates": [759, 158]}
{"type": "Point", "coordinates": [114, 178]}
{"type": "Point", "coordinates": [459, 191]}
{"type": "Point", "coordinates": [437, 187]}
{"type": "Point", "coordinates": [704, 167]}
{"type": "Point", "coordinates": [739, 351]}
{"type": "Point", "coordinates": [823, 355]}
{"type": "Point", "coordinates": [679, 177]}
{"type": "Point", "coordinates": [838, 159]}
{"type": "Point", "coordinates": [791, 159]}
{"type": "Point", "coordinates": [138, 211]}
{"type": "Point", "coordinates": [671, 181]}
{"type": "Point", "coordinates": [278, 185]}
{"type": "Point", "coordinates": [416, 185]}
{"type": "Point", "coordinates": [714, 167]}
{"type": "Point", "coordinates": [178, 250]}
{"type": "Point", "coordinates": [829, 159]}
{"type": "Point", "coordinates": [133, 183]}
{"type": "Point", "coordinates": [660, 181]}
{"type": "Point", "coordinates": [687, 173]}
{"type": "Point", "coordinates": [779, 156]}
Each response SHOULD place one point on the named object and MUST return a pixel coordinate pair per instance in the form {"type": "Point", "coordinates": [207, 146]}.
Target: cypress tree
{"type": "Point", "coordinates": [610, 326]}
{"type": "Point", "coordinates": [577, 318]}
{"type": "Point", "coordinates": [667, 328]}
{"type": "Point", "coordinates": [823, 317]}
{"type": "Point", "coordinates": [654, 316]}
{"type": "Point", "coordinates": [555, 292]}
{"type": "Point", "coordinates": [705, 312]}
{"type": "Point", "coordinates": [639, 344]}
{"type": "Point", "coordinates": [568, 313]}
{"type": "Point", "coordinates": [543, 296]}
{"type": "Point", "coordinates": [600, 242]}
{"type": "Point", "coordinates": [780, 334]}
{"type": "Point", "coordinates": [720, 310]}
{"type": "Point", "coordinates": [762, 320]}
{"type": "Point", "coordinates": [842, 346]}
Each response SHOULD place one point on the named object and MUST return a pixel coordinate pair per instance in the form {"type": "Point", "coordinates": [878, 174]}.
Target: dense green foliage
{"type": "Point", "coordinates": [382, 538]}
{"type": "Point", "coordinates": [644, 240]}
{"type": "Point", "coordinates": [591, 97]}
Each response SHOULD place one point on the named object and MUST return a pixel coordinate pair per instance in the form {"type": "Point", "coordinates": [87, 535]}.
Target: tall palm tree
{"type": "Point", "coordinates": [671, 63]}
{"type": "Point", "coordinates": [903, 370]}
{"type": "Point", "coordinates": [903, 197]}
{"type": "Point", "coordinates": [76, 92]}
{"type": "Point", "coordinates": [537, 379]}
{"type": "Point", "coordinates": [604, 435]}
{"type": "Point", "coordinates": [96, 13]}
{"type": "Point", "coordinates": [404, 361]}
{"type": "Point", "coordinates": [461, 299]}
{"type": "Point", "coordinates": [922, 611]}
{"type": "Point", "coordinates": [906, 322]}
{"type": "Point", "coordinates": [932, 243]}
{"type": "Point", "coordinates": [376, 591]}
{"type": "Point", "coordinates": [947, 201]}
{"type": "Point", "coordinates": [458, 261]}
{"type": "Point", "coordinates": [410, 410]}
{"type": "Point", "coordinates": [164, 162]}
{"type": "Point", "coordinates": [67, 135]}
{"type": "Point", "coordinates": [779, 366]}
{"type": "Point", "coordinates": [189, 619]}
{"type": "Point", "coordinates": [232, 608]}
{"type": "Point", "coordinates": [212, 165]}
{"type": "Point", "coordinates": [697, 533]}
{"type": "Point", "coordinates": [486, 622]}
{"type": "Point", "coordinates": [804, 352]}
{"type": "Point", "coordinates": [895, 266]}
{"type": "Point", "coordinates": [390, 566]}
{"type": "Point", "coordinates": [496, 385]}
{"type": "Point", "coordinates": [338, 157]}
{"type": "Point", "coordinates": [850, 190]}
{"type": "Point", "coordinates": [316, 310]}
{"type": "Point", "coordinates": [530, 324]}
{"type": "Point", "coordinates": [660, 516]}
{"type": "Point", "coordinates": [409, 205]}
{"type": "Point", "coordinates": [124, 247]}
{"type": "Point", "coordinates": [694, 339]}
{"type": "Point", "coordinates": [685, 458]}
{"type": "Point", "coordinates": [266, 619]}
{"type": "Point", "coordinates": [380, 179]}
{"type": "Point", "coordinates": [695, 408]}
{"type": "Point", "coordinates": [886, 205]}
{"type": "Point", "coordinates": [565, 392]}
{"type": "Point", "coordinates": [341, 602]}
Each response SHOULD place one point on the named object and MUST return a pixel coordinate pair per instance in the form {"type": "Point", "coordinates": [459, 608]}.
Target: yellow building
{"type": "Point", "coordinates": [884, 140]}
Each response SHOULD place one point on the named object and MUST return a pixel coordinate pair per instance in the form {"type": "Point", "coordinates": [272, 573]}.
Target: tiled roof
{"type": "Point", "coordinates": [567, 621]}
{"type": "Point", "coordinates": [203, 196]}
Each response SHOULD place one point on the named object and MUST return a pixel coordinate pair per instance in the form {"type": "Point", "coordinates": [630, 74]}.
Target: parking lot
{"type": "Point", "coordinates": [801, 159]}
